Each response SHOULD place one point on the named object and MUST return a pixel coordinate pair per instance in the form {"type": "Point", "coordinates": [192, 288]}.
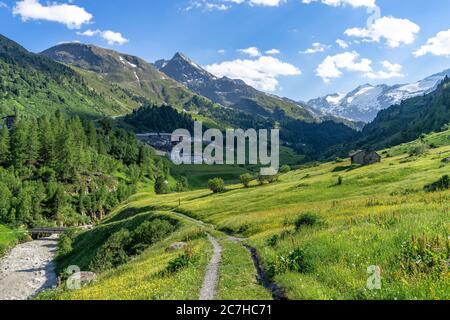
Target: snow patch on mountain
{"type": "Point", "coordinates": [364, 103]}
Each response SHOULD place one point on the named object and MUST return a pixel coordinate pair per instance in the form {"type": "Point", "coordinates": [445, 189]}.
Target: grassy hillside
{"type": "Point", "coordinates": [36, 85]}
{"type": "Point", "coordinates": [152, 275]}
{"type": "Point", "coordinates": [8, 238]}
{"type": "Point", "coordinates": [316, 238]}
{"type": "Point", "coordinates": [130, 73]}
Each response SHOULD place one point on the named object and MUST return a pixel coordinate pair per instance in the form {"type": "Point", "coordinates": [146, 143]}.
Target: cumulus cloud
{"type": "Point", "coordinates": [316, 47]}
{"type": "Point", "coordinates": [111, 37]}
{"type": "Point", "coordinates": [392, 70]}
{"type": "Point", "coordinates": [438, 45]}
{"type": "Point", "coordinates": [252, 51]}
{"type": "Point", "coordinates": [395, 31]}
{"type": "Point", "coordinates": [334, 66]}
{"type": "Point", "coordinates": [353, 3]}
{"type": "Point", "coordinates": [68, 14]}
{"type": "Point", "coordinates": [261, 73]}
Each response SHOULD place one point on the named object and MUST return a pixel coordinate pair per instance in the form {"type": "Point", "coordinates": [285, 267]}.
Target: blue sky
{"type": "Point", "coordinates": [286, 47]}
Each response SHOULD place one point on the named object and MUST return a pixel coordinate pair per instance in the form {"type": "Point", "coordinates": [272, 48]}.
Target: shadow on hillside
{"type": "Point", "coordinates": [346, 168]}
{"type": "Point", "coordinates": [130, 212]}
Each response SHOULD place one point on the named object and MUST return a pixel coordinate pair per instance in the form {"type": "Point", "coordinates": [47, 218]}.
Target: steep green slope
{"type": "Point", "coordinates": [409, 120]}
{"type": "Point", "coordinates": [129, 72]}
{"type": "Point", "coordinates": [36, 85]}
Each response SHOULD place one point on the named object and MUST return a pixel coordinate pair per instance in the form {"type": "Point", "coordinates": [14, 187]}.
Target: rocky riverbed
{"type": "Point", "coordinates": [28, 269]}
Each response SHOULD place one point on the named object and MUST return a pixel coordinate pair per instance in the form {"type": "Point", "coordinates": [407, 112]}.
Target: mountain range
{"type": "Point", "coordinates": [364, 102]}
{"type": "Point", "coordinates": [90, 81]}
{"type": "Point", "coordinates": [230, 92]}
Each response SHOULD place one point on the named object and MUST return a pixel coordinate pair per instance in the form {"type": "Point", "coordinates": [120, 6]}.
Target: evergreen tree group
{"type": "Point", "coordinates": [67, 171]}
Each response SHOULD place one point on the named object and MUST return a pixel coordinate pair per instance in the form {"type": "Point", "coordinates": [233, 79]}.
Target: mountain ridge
{"type": "Point", "coordinates": [229, 92]}
{"type": "Point", "coordinates": [364, 102]}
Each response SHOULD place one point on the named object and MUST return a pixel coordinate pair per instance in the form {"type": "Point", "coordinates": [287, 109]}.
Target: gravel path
{"type": "Point", "coordinates": [28, 269]}
{"type": "Point", "coordinates": [208, 291]}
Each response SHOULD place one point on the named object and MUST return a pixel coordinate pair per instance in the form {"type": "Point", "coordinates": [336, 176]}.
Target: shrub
{"type": "Point", "coordinates": [113, 252]}
{"type": "Point", "coordinates": [161, 185]}
{"type": "Point", "coordinates": [285, 169]}
{"type": "Point", "coordinates": [440, 185]}
{"type": "Point", "coordinates": [294, 261]}
{"type": "Point", "coordinates": [340, 181]}
{"type": "Point", "coordinates": [270, 179]}
{"type": "Point", "coordinates": [418, 149]}
{"type": "Point", "coordinates": [216, 185]}
{"type": "Point", "coordinates": [273, 240]}
{"type": "Point", "coordinates": [307, 219]}
{"type": "Point", "coordinates": [64, 246]}
{"type": "Point", "coordinates": [148, 233]}
{"type": "Point", "coordinates": [180, 262]}
{"type": "Point", "coordinates": [182, 185]}
{"type": "Point", "coordinates": [246, 179]}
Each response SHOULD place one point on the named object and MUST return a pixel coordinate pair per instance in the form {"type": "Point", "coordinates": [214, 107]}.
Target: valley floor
{"type": "Point", "coordinates": [379, 218]}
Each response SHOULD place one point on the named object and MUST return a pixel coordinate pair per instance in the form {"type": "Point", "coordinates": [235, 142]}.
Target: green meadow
{"type": "Point", "coordinates": [318, 231]}
{"type": "Point", "coordinates": [8, 238]}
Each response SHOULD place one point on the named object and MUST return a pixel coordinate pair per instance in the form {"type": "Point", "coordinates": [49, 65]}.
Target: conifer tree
{"type": "Point", "coordinates": [4, 146]}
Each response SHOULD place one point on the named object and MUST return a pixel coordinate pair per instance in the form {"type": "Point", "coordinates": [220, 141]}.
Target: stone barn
{"type": "Point", "coordinates": [365, 157]}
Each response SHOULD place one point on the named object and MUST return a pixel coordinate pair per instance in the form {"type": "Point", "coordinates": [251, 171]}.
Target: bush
{"type": "Point", "coordinates": [216, 185]}
{"type": "Point", "coordinates": [180, 262]}
{"type": "Point", "coordinates": [270, 179]}
{"type": "Point", "coordinates": [113, 253]}
{"type": "Point", "coordinates": [273, 240]}
{"type": "Point", "coordinates": [161, 185]}
{"type": "Point", "coordinates": [246, 179]}
{"type": "Point", "coordinates": [294, 261]}
{"type": "Point", "coordinates": [308, 220]}
{"type": "Point", "coordinates": [64, 246]}
{"type": "Point", "coordinates": [148, 233]}
{"type": "Point", "coordinates": [285, 169]}
{"type": "Point", "coordinates": [440, 185]}
{"type": "Point", "coordinates": [182, 184]}
{"type": "Point", "coordinates": [418, 150]}
{"type": "Point", "coordinates": [340, 181]}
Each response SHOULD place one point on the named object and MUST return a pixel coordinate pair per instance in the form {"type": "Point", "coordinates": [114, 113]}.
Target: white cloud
{"type": "Point", "coordinates": [261, 73]}
{"type": "Point", "coordinates": [111, 37]}
{"type": "Point", "coordinates": [392, 70]}
{"type": "Point", "coordinates": [341, 43]}
{"type": "Point", "coordinates": [252, 52]}
{"type": "Point", "coordinates": [273, 52]}
{"type": "Point", "coordinates": [353, 3]}
{"type": "Point", "coordinates": [267, 3]}
{"type": "Point", "coordinates": [333, 66]}
{"type": "Point", "coordinates": [395, 31]}
{"type": "Point", "coordinates": [223, 5]}
{"type": "Point", "coordinates": [221, 51]}
{"type": "Point", "coordinates": [438, 45]}
{"type": "Point", "coordinates": [316, 47]}
{"type": "Point", "coordinates": [3, 5]}
{"type": "Point", "coordinates": [70, 15]}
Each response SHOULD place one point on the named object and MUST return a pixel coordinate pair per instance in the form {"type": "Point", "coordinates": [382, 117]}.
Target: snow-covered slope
{"type": "Point", "coordinates": [364, 103]}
